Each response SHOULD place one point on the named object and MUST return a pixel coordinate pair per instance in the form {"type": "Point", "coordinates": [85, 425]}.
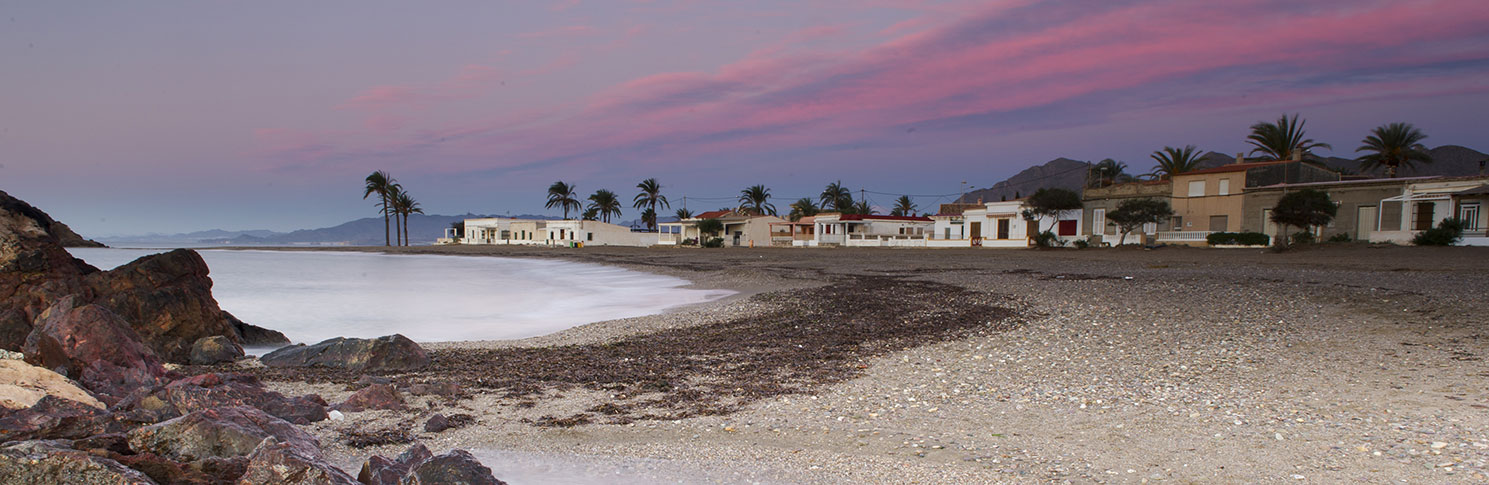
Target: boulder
{"type": "Point", "coordinates": [254, 335]}
{"type": "Point", "coordinates": [35, 270]}
{"type": "Point", "coordinates": [54, 462]}
{"type": "Point", "coordinates": [95, 346]}
{"type": "Point", "coordinates": [220, 432]}
{"type": "Point", "coordinates": [168, 299]}
{"type": "Point", "coordinates": [376, 396]}
{"type": "Point", "coordinates": [22, 385]}
{"type": "Point", "coordinates": [56, 418]}
{"type": "Point", "coordinates": [103, 444]}
{"type": "Point", "coordinates": [273, 462]}
{"type": "Point", "coordinates": [215, 350]}
{"type": "Point", "coordinates": [439, 422]}
{"type": "Point", "coordinates": [388, 353]}
{"type": "Point", "coordinates": [207, 391]}
{"type": "Point", "coordinates": [382, 471]}
{"type": "Point", "coordinates": [457, 466]}
{"type": "Point", "coordinates": [162, 470]}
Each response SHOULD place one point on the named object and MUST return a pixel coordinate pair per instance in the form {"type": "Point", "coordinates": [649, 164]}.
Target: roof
{"type": "Point", "coordinates": [713, 214]}
{"type": "Point", "coordinates": [1336, 183]}
{"type": "Point", "coordinates": [1234, 167]}
{"type": "Point", "coordinates": [956, 209]}
{"type": "Point", "coordinates": [875, 217]}
{"type": "Point", "coordinates": [1480, 190]}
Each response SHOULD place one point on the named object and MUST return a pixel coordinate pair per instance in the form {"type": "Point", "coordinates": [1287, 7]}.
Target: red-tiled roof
{"type": "Point", "coordinates": [714, 214]}
{"type": "Point", "coordinates": [861, 217]}
{"type": "Point", "coordinates": [1234, 167]}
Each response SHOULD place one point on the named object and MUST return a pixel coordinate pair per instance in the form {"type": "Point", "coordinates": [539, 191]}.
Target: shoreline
{"type": "Point", "coordinates": [1333, 363]}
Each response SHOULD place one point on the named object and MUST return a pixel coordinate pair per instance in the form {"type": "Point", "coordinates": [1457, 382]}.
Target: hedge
{"type": "Point", "coordinates": [1238, 239]}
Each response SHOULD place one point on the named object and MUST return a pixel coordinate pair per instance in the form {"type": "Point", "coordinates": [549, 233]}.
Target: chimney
{"type": "Point", "coordinates": [1297, 155]}
{"type": "Point", "coordinates": [1240, 157]}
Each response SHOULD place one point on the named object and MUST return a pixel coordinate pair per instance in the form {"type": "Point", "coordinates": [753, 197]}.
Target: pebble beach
{"type": "Point", "coordinates": [1329, 364]}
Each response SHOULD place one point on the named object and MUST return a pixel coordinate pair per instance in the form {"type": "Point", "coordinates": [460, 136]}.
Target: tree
{"type": "Point", "coordinates": [903, 206]}
{"type": "Point", "coordinates": [684, 214]}
{"type": "Point", "coordinates": [649, 217]}
{"type": "Point", "coordinates": [756, 199]}
{"type": "Point", "coordinates": [1283, 139]}
{"type": "Point", "coordinates": [649, 198]}
{"type": "Point", "coordinates": [563, 196]}
{"type": "Point", "coordinates": [379, 183]}
{"type": "Point", "coordinates": [1393, 146]}
{"type": "Point", "coordinates": [710, 227]}
{"type": "Point", "coordinates": [1108, 172]}
{"type": "Point", "coordinates": [837, 197]}
{"type": "Point", "coordinates": [1173, 161]}
{"type": "Point", "coordinates": [861, 207]}
{"type": "Point", "coordinates": [1133, 213]}
{"type": "Point", "coordinates": [605, 204]}
{"type": "Point", "coordinates": [803, 207]}
{"type": "Point", "coordinates": [1049, 202]}
{"type": "Point", "coordinates": [1303, 209]}
{"type": "Point", "coordinates": [394, 192]}
{"type": "Point", "coordinates": [590, 214]}
{"type": "Point", "coordinates": [405, 206]}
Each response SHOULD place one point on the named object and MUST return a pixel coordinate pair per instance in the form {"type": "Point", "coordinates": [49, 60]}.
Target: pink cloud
{"type": "Point", "coordinates": [564, 31]}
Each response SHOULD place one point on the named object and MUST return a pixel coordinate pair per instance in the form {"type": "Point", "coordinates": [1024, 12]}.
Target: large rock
{"type": "Point", "coordinates": [382, 471]}
{"type": "Point", "coordinates": [418, 466]}
{"type": "Point", "coordinates": [53, 462]}
{"type": "Point", "coordinates": [223, 432]}
{"type": "Point", "coordinates": [256, 336]}
{"type": "Point", "coordinates": [56, 418]}
{"type": "Point", "coordinates": [93, 345]}
{"type": "Point", "coordinates": [207, 391]}
{"type": "Point", "coordinates": [168, 299]}
{"type": "Point", "coordinates": [388, 353]}
{"type": "Point", "coordinates": [39, 222]}
{"type": "Point", "coordinates": [22, 385]}
{"type": "Point", "coordinates": [376, 396]}
{"type": "Point", "coordinates": [273, 462]}
{"type": "Point", "coordinates": [216, 349]}
{"type": "Point", "coordinates": [35, 270]}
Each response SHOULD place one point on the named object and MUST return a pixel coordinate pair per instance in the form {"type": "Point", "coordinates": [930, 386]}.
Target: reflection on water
{"type": "Point", "coordinates": [312, 296]}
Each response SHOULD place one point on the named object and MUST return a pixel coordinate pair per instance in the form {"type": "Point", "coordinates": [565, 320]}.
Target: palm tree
{"type": "Point", "coordinates": [649, 217]}
{"type": "Point", "coordinates": [1108, 172]}
{"type": "Point", "coordinates": [837, 197]}
{"type": "Point", "coordinates": [605, 203]}
{"type": "Point", "coordinates": [756, 199]}
{"type": "Point", "coordinates": [590, 214]}
{"type": "Point", "coordinates": [861, 207]}
{"type": "Point", "coordinates": [903, 206]}
{"type": "Point", "coordinates": [1283, 139]}
{"type": "Point", "coordinates": [1393, 146]}
{"type": "Point", "coordinates": [1173, 161]}
{"type": "Point", "coordinates": [649, 198]}
{"type": "Point", "coordinates": [562, 195]}
{"type": "Point", "coordinates": [406, 205]}
{"type": "Point", "coordinates": [803, 207]}
{"type": "Point", "coordinates": [684, 214]}
{"type": "Point", "coordinates": [395, 191]}
{"type": "Point", "coordinates": [378, 183]}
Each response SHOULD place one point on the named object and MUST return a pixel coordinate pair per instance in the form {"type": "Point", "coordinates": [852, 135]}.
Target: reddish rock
{"type": "Point", "coordinates": [35, 270]}
{"type": "Point", "coordinates": [94, 346]}
{"type": "Point", "coordinates": [457, 466]}
{"type": "Point", "coordinates": [439, 422]}
{"type": "Point", "coordinates": [207, 391]}
{"type": "Point", "coordinates": [53, 462]}
{"type": "Point", "coordinates": [376, 396]}
{"type": "Point", "coordinates": [216, 349]}
{"type": "Point", "coordinates": [387, 353]}
{"type": "Point", "coordinates": [57, 418]}
{"type": "Point", "coordinates": [103, 444]}
{"type": "Point", "coordinates": [221, 432]}
{"type": "Point", "coordinates": [273, 462]}
{"type": "Point", "coordinates": [162, 470]}
{"type": "Point", "coordinates": [382, 471]}
{"type": "Point", "coordinates": [168, 299]}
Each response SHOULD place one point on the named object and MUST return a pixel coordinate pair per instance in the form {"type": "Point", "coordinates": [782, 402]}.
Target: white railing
{"type": "Point", "coordinates": [1183, 236]}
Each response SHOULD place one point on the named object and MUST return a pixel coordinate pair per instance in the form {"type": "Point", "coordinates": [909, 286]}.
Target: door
{"type": "Point", "coordinates": [1002, 228]}
{"type": "Point", "coordinates": [976, 230]}
{"type": "Point", "coordinates": [1218, 223]}
{"type": "Point", "coordinates": [1423, 216]}
{"type": "Point", "coordinates": [1364, 222]}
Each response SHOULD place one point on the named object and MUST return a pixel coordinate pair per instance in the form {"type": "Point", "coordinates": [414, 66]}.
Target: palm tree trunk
{"type": "Point", "coordinates": [397, 228]}
{"type": "Point", "coordinates": [386, 236]}
{"type": "Point", "coordinates": [405, 229]}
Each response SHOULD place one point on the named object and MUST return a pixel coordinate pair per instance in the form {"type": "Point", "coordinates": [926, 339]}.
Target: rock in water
{"type": "Point", "coordinates": [280, 463]}
{"type": "Point", "coordinates": [376, 396]}
{"type": "Point", "coordinates": [388, 353]}
{"type": "Point", "coordinates": [168, 299]}
{"type": "Point", "coordinates": [216, 349]}
{"type": "Point", "coordinates": [252, 335]}
{"type": "Point", "coordinates": [223, 432]}
{"type": "Point", "coordinates": [53, 462]}
{"type": "Point", "coordinates": [93, 345]}
{"type": "Point", "coordinates": [22, 385]}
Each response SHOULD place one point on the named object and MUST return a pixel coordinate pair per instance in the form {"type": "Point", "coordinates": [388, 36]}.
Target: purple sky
{"type": "Point", "coordinates": [129, 117]}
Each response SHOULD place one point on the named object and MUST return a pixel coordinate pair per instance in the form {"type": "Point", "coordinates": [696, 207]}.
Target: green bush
{"type": "Point", "coordinates": [1447, 233]}
{"type": "Point", "coordinates": [689, 242]}
{"type": "Point", "coordinates": [1302, 237]}
{"type": "Point", "coordinates": [717, 242]}
{"type": "Point", "coordinates": [1082, 244]}
{"type": "Point", "coordinates": [1342, 237]}
{"type": "Point", "coordinates": [1047, 239]}
{"type": "Point", "coordinates": [1238, 239]}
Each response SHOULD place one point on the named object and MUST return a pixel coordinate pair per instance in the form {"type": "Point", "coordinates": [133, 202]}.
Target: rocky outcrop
{"type": "Point", "coordinates": [388, 353]}
{"type": "Point", "coordinates": [43, 223]}
{"type": "Point", "coordinates": [216, 349]}
{"type": "Point", "coordinates": [376, 396]}
{"type": "Point", "coordinates": [207, 391]}
{"type": "Point", "coordinates": [54, 462]}
{"type": "Point", "coordinates": [419, 466]}
{"type": "Point", "coordinates": [382, 471]}
{"type": "Point", "coordinates": [256, 336]}
{"type": "Point", "coordinates": [273, 462]}
{"type": "Point", "coordinates": [56, 418]}
{"type": "Point", "coordinates": [93, 345]}
{"type": "Point", "coordinates": [22, 385]}
{"type": "Point", "coordinates": [168, 299]}
{"type": "Point", "coordinates": [223, 432]}
{"type": "Point", "coordinates": [34, 269]}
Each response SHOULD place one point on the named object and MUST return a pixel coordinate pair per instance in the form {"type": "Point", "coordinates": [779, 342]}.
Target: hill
{"type": "Point", "coordinates": [1061, 173]}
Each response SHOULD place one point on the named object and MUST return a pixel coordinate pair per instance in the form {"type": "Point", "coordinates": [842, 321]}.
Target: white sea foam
{"type": "Point", "coordinates": [312, 296]}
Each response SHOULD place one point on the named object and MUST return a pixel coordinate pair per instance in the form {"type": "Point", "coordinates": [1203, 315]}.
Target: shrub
{"type": "Point", "coordinates": [1342, 237]}
{"type": "Point", "coordinates": [1238, 238]}
{"type": "Point", "coordinates": [1047, 239]}
{"type": "Point", "coordinates": [1304, 209]}
{"type": "Point", "coordinates": [1082, 244]}
{"type": "Point", "coordinates": [689, 242]}
{"type": "Point", "coordinates": [1447, 233]}
{"type": "Point", "coordinates": [1302, 237]}
{"type": "Point", "coordinates": [717, 242]}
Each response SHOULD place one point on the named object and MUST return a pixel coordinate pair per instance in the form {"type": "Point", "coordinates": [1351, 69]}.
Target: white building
{"type": "Point", "coordinates": [504, 231]}
{"type": "Point", "coordinates": [1421, 206]}
{"type": "Point", "coordinates": [871, 230]}
{"type": "Point", "coordinates": [742, 230]}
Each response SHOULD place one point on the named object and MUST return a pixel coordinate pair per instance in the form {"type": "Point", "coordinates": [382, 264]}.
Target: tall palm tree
{"type": "Point", "coordinates": [684, 214]}
{"type": "Point", "coordinates": [649, 198]}
{"type": "Point", "coordinates": [562, 195]}
{"type": "Point", "coordinates": [649, 217]}
{"type": "Point", "coordinates": [1108, 171]}
{"type": "Point", "coordinates": [861, 207]}
{"type": "Point", "coordinates": [803, 207]}
{"type": "Point", "coordinates": [378, 183]}
{"type": "Point", "coordinates": [395, 191]}
{"type": "Point", "coordinates": [590, 214]}
{"type": "Point", "coordinates": [1393, 146]}
{"type": "Point", "coordinates": [837, 197]}
{"type": "Point", "coordinates": [903, 206]}
{"type": "Point", "coordinates": [1173, 161]}
{"type": "Point", "coordinates": [406, 205]}
{"type": "Point", "coordinates": [756, 199]}
{"type": "Point", "coordinates": [605, 204]}
{"type": "Point", "coordinates": [1283, 139]}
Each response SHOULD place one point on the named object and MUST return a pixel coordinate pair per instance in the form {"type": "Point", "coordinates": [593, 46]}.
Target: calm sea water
{"type": "Point", "coordinates": [312, 296]}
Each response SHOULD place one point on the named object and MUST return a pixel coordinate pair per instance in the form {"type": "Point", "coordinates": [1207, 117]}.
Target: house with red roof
{"type": "Point", "coordinates": [870, 230]}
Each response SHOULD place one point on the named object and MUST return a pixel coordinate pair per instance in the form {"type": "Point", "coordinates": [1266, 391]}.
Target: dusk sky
{"type": "Point", "coordinates": [135, 117]}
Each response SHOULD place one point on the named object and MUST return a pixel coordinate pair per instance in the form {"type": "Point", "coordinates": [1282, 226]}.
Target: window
{"type": "Point", "coordinates": [589, 236]}
{"type": "Point", "coordinates": [1218, 223]}
{"type": "Point", "coordinates": [1424, 215]}
{"type": "Point", "coordinates": [1178, 223]}
{"type": "Point", "coordinates": [1150, 227]}
{"type": "Point", "coordinates": [1098, 221]}
{"type": "Point", "coordinates": [1469, 214]}
{"type": "Point", "coordinates": [1224, 186]}
{"type": "Point", "coordinates": [1197, 188]}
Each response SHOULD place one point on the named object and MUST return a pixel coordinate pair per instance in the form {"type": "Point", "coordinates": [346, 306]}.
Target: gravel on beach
{"type": "Point", "coordinates": [1340, 363]}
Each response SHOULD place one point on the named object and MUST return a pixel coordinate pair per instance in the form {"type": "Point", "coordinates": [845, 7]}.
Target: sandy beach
{"type": "Point", "coordinates": [1332, 364]}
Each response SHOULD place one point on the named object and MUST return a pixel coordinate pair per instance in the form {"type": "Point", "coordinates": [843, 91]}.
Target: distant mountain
{"type": "Point", "coordinates": [1061, 173]}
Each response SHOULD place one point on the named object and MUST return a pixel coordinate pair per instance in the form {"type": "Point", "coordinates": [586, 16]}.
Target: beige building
{"type": "Point", "coordinates": [746, 230]}
{"type": "Point", "coordinates": [1101, 201]}
{"type": "Point", "coordinates": [1213, 200]}
{"type": "Point", "coordinates": [1358, 201]}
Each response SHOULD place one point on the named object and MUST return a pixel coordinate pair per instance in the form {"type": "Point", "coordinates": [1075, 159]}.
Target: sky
{"type": "Point", "coordinates": [135, 117]}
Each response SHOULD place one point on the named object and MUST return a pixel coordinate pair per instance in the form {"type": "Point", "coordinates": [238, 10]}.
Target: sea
{"type": "Point", "coordinates": [315, 295]}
